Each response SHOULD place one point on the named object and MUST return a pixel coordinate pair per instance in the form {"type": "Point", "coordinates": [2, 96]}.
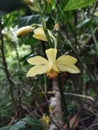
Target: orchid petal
{"type": "Point", "coordinates": [51, 54]}
{"type": "Point", "coordinates": [66, 59]}
{"type": "Point", "coordinates": [40, 69]}
{"type": "Point", "coordinates": [71, 68]}
{"type": "Point", "coordinates": [40, 34]}
{"type": "Point", "coordinates": [37, 60]}
{"type": "Point", "coordinates": [66, 63]}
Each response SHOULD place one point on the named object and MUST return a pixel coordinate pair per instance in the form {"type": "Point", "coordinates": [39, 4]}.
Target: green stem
{"type": "Point", "coordinates": [45, 29]}
{"type": "Point", "coordinates": [51, 39]}
{"type": "Point", "coordinates": [94, 38]}
{"type": "Point", "coordinates": [47, 34]}
{"type": "Point", "coordinates": [43, 21]}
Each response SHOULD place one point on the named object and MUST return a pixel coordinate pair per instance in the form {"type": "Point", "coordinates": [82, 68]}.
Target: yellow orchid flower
{"type": "Point", "coordinates": [40, 34]}
{"type": "Point", "coordinates": [52, 66]}
{"type": "Point", "coordinates": [24, 30]}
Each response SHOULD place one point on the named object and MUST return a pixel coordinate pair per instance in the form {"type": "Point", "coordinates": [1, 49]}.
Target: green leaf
{"type": "Point", "coordinates": [5, 128]}
{"type": "Point", "coordinates": [30, 41]}
{"type": "Point", "coordinates": [27, 124]}
{"type": "Point", "coordinates": [82, 23]}
{"type": "Point", "coordinates": [75, 4]}
{"type": "Point", "coordinates": [27, 20]}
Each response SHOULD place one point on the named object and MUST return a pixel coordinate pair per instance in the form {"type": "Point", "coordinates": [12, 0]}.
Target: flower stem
{"type": "Point", "coordinates": [45, 29]}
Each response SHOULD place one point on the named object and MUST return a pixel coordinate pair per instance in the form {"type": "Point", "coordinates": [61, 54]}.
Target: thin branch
{"type": "Point", "coordinates": [79, 95]}
{"type": "Point", "coordinates": [7, 73]}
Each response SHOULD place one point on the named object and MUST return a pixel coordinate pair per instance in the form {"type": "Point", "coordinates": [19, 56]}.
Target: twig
{"type": "Point", "coordinates": [79, 95]}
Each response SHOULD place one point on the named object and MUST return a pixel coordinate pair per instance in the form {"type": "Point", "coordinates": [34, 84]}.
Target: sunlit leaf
{"type": "Point", "coordinates": [75, 4]}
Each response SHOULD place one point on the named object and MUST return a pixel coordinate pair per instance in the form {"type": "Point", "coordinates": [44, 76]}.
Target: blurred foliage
{"type": "Point", "coordinates": [25, 124]}
{"type": "Point", "coordinates": [78, 36]}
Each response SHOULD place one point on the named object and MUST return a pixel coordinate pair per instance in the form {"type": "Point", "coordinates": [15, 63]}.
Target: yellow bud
{"type": "Point", "coordinates": [24, 30]}
{"type": "Point", "coordinates": [34, 8]}
{"type": "Point", "coordinates": [32, 5]}
{"type": "Point", "coordinates": [48, 1]}
{"type": "Point", "coordinates": [29, 2]}
{"type": "Point", "coordinates": [57, 27]}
